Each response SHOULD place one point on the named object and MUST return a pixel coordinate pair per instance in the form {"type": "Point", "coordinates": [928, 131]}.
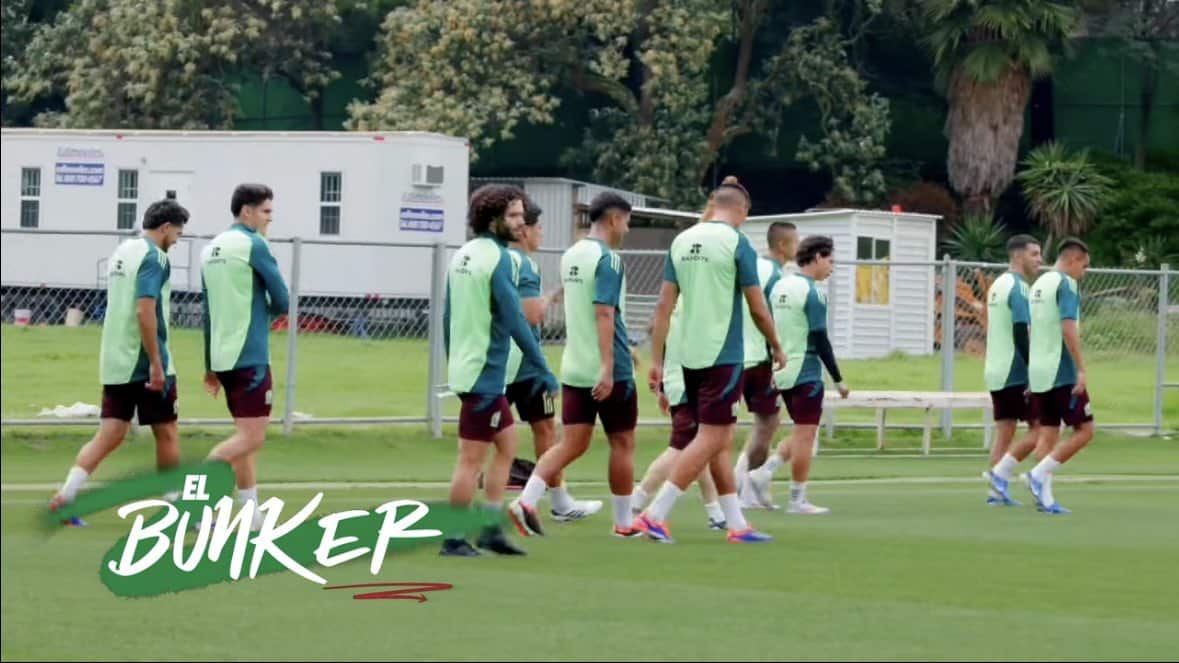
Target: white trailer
{"type": "Point", "coordinates": [400, 187]}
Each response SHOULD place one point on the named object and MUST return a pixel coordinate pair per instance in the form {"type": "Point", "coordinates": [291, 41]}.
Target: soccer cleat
{"type": "Point", "coordinates": [493, 539]}
{"type": "Point", "coordinates": [74, 521]}
{"type": "Point", "coordinates": [999, 485]}
{"type": "Point", "coordinates": [1055, 509]}
{"type": "Point", "coordinates": [525, 519]}
{"type": "Point", "coordinates": [654, 529]}
{"type": "Point", "coordinates": [995, 500]}
{"type": "Point", "coordinates": [1036, 488]}
{"type": "Point", "coordinates": [807, 509]}
{"type": "Point", "coordinates": [716, 524]}
{"type": "Point", "coordinates": [458, 548]}
{"type": "Point", "coordinates": [581, 509]}
{"type": "Point", "coordinates": [749, 535]}
{"type": "Point", "coordinates": [627, 532]}
{"type": "Point", "coordinates": [759, 484]}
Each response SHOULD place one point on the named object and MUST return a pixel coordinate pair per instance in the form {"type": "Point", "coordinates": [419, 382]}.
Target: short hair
{"type": "Point", "coordinates": [605, 202]}
{"type": "Point", "coordinates": [490, 202]}
{"type": "Point", "coordinates": [1021, 242]}
{"type": "Point", "coordinates": [777, 229]}
{"type": "Point", "coordinates": [725, 194]}
{"type": "Point", "coordinates": [162, 212]}
{"type": "Point", "coordinates": [249, 194]}
{"type": "Point", "coordinates": [532, 212]}
{"type": "Point", "coordinates": [812, 247]}
{"type": "Point", "coordinates": [1071, 244]}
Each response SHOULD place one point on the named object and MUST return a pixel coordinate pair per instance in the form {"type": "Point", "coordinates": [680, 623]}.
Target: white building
{"type": "Point", "coordinates": [873, 310]}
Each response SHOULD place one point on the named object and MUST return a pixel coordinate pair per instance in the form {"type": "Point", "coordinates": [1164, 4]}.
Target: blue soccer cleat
{"type": "Point", "coordinates": [1000, 487]}
{"type": "Point", "coordinates": [1055, 509]}
{"type": "Point", "coordinates": [658, 531]}
{"type": "Point", "coordinates": [74, 521]}
{"type": "Point", "coordinates": [1037, 490]}
{"type": "Point", "coordinates": [749, 535]}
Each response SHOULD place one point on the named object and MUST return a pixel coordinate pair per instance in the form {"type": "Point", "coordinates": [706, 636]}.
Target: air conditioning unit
{"type": "Point", "coordinates": [427, 175]}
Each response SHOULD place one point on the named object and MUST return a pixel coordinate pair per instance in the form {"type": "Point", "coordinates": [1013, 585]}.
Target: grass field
{"type": "Point", "coordinates": [910, 564]}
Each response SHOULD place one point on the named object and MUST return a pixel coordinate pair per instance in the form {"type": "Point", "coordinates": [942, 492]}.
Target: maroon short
{"type": "Point", "coordinates": [249, 391]}
{"type": "Point", "coordinates": [804, 403]}
{"type": "Point", "coordinates": [121, 401]}
{"type": "Point", "coordinates": [619, 412]}
{"type": "Point", "coordinates": [683, 427]}
{"type": "Point", "coordinates": [532, 400]}
{"type": "Point", "coordinates": [483, 416]}
{"type": "Point", "coordinates": [713, 393]}
{"type": "Point", "coordinates": [761, 396]}
{"type": "Point", "coordinates": [1061, 405]}
{"type": "Point", "coordinates": [1010, 404]}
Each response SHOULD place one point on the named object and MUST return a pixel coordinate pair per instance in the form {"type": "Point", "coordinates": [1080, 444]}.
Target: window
{"type": "Point", "coordinates": [30, 197]}
{"type": "Point", "coordinates": [872, 280]}
{"type": "Point", "coordinates": [128, 196]}
{"type": "Point", "coordinates": [330, 187]}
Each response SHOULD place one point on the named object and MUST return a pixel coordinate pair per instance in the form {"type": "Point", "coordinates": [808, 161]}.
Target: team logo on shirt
{"type": "Point", "coordinates": [694, 254]}
{"type": "Point", "coordinates": [462, 266]}
{"type": "Point", "coordinates": [572, 276]}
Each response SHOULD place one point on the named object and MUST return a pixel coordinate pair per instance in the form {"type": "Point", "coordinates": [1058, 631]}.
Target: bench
{"type": "Point", "coordinates": [929, 401]}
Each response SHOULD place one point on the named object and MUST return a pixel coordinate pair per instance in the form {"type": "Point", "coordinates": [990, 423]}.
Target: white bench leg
{"type": "Point", "coordinates": [880, 428]}
{"type": "Point", "coordinates": [927, 435]}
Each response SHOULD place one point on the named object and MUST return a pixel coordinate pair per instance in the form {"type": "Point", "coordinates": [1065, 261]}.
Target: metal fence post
{"type": "Point", "coordinates": [1161, 347]}
{"type": "Point", "coordinates": [949, 322]}
{"type": "Point", "coordinates": [288, 417]}
{"type": "Point", "coordinates": [437, 367]}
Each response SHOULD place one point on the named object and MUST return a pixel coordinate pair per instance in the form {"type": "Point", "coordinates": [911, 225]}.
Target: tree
{"type": "Point", "coordinates": [986, 54]}
{"type": "Point", "coordinates": [1147, 31]}
{"type": "Point", "coordinates": [1064, 191]}
{"type": "Point", "coordinates": [146, 64]}
{"type": "Point", "coordinates": [479, 68]}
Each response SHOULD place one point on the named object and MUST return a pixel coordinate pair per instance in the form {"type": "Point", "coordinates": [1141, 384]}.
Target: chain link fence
{"type": "Point", "coordinates": [362, 340]}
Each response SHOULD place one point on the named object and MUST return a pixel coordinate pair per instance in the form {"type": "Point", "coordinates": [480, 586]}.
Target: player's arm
{"type": "Point", "coordinates": [816, 317]}
{"type": "Point", "coordinates": [531, 300]}
{"type": "Point", "coordinates": [263, 262]}
{"type": "Point", "coordinates": [759, 310]}
{"type": "Point", "coordinates": [1020, 319]}
{"type": "Point", "coordinates": [149, 284]}
{"type": "Point", "coordinates": [607, 294]}
{"type": "Point", "coordinates": [507, 308]}
{"type": "Point", "coordinates": [1070, 305]}
{"type": "Point", "coordinates": [661, 322]}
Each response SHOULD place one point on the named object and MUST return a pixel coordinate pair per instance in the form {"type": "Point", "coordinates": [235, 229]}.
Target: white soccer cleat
{"type": "Point", "coordinates": [807, 509]}
{"type": "Point", "coordinates": [581, 509]}
{"type": "Point", "coordinates": [759, 486]}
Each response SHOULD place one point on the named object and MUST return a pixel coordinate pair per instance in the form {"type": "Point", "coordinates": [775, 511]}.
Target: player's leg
{"type": "Point", "coordinates": [118, 407]}
{"type": "Point", "coordinates": [761, 398]}
{"type": "Point", "coordinates": [1076, 412]}
{"type": "Point", "coordinates": [481, 420]}
{"type": "Point", "coordinates": [248, 395]}
{"type": "Point", "coordinates": [540, 414]}
{"type": "Point", "coordinates": [492, 538]}
{"type": "Point", "coordinates": [1009, 406]}
{"type": "Point", "coordinates": [620, 415]}
{"type": "Point", "coordinates": [579, 412]}
{"type": "Point", "coordinates": [711, 499]}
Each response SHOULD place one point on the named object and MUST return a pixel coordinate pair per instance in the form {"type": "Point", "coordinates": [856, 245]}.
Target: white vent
{"type": "Point", "coordinates": [427, 175]}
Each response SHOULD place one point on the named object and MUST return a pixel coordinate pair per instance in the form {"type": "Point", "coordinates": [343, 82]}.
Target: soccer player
{"type": "Point", "coordinates": [482, 317]}
{"type": "Point", "coordinates": [597, 371]}
{"type": "Point", "coordinates": [242, 288]}
{"type": "Point", "coordinates": [135, 364]}
{"type": "Point", "coordinates": [534, 404]}
{"type": "Point", "coordinates": [710, 267]}
{"type": "Point", "coordinates": [1006, 370]}
{"type": "Point", "coordinates": [673, 401]}
{"type": "Point", "coordinates": [1056, 371]}
{"type": "Point", "coordinates": [761, 396]}
{"type": "Point", "coordinates": [800, 314]}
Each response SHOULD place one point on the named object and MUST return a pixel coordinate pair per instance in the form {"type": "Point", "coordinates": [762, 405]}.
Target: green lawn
{"type": "Point", "coordinates": [910, 565]}
{"type": "Point", "coordinates": [347, 377]}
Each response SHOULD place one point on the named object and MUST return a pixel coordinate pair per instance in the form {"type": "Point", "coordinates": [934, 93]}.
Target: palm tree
{"type": "Point", "coordinates": [1064, 191]}
{"type": "Point", "coordinates": [987, 52]}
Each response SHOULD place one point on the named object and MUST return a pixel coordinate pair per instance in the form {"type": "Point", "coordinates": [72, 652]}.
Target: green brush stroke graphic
{"type": "Point", "coordinates": [299, 544]}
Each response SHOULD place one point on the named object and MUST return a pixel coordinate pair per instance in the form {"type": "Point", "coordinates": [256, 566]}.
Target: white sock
{"type": "Point", "coordinates": [1044, 468]}
{"type": "Point", "coordinates": [75, 479]}
{"type": "Point", "coordinates": [560, 498]}
{"type": "Point", "coordinates": [247, 495]}
{"type": "Point", "coordinates": [622, 515]}
{"type": "Point", "coordinates": [533, 491]}
{"type": "Point", "coordinates": [734, 519]}
{"type": "Point", "coordinates": [664, 501]}
{"type": "Point", "coordinates": [797, 492]}
{"type": "Point", "coordinates": [1005, 466]}
{"type": "Point", "coordinates": [714, 511]}
{"type": "Point", "coordinates": [741, 472]}
{"type": "Point", "coordinates": [638, 499]}
{"type": "Point", "coordinates": [773, 462]}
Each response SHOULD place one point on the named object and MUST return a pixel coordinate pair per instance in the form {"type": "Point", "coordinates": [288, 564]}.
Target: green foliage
{"type": "Point", "coordinates": [146, 64]}
{"type": "Point", "coordinates": [1065, 191]}
{"type": "Point", "coordinates": [978, 239]}
{"type": "Point", "coordinates": [1139, 227]}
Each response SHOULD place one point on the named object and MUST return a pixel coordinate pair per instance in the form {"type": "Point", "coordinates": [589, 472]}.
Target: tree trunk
{"type": "Point", "coordinates": [1150, 83]}
{"type": "Point", "coordinates": [317, 112]}
{"type": "Point", "coordinates": [720, 132]}
{"type": "Point", "coordinates": [984, 126]}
